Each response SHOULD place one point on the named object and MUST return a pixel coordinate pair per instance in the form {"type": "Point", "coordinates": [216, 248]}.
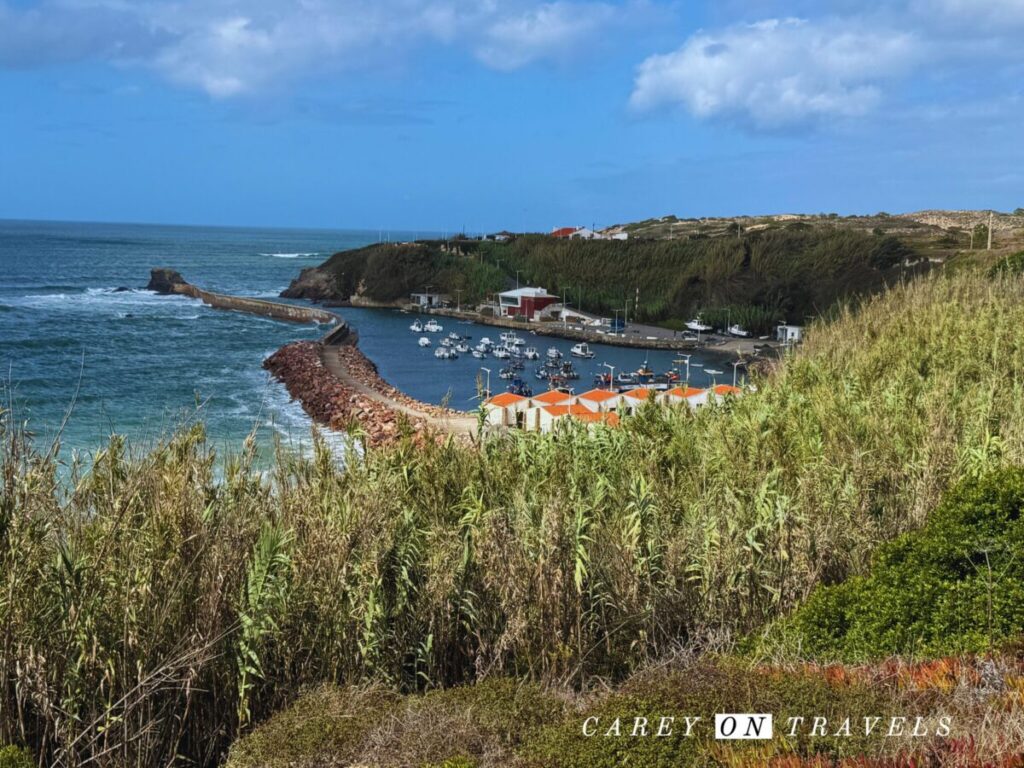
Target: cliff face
{"type": "Point", "coordinates": [314, 284]}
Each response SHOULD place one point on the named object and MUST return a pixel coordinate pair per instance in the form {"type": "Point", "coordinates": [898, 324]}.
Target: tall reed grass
{"type": "Point", "coordinates": [156, 605]}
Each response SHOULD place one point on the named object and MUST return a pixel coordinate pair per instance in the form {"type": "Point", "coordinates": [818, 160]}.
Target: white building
{"type": "Point", "coordinates": [789, 334]}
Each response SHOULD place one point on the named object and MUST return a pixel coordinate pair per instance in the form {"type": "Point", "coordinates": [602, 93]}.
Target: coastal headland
{"type": "Point", "coordinates": [337, 386]}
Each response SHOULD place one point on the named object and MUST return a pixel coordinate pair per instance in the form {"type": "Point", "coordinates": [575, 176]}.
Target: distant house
{"type": "Point", "coordinates": [789, 334]}
{"type": "Point", "coordinates": [564, 233]}
{"type": "Point", "coordinates": [583, 233]}
{"type": "Point", "coordinates": [524, 302]}
{"type": "Point", "coordinates": [506, 410]}
{"type": "Point", "coordinates": [427, 300]}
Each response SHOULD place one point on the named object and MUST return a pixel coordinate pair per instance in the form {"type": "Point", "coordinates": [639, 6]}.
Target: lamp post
{"type": "Point", "coordinates": [686, 359]}
{"type": "Point", "coordinates": [611, 375]}
{"type": "Point", "coordinates": [735, 366]}
{"type": "Point", "coordinates": [458, 296]}
{"type": "Point", "coordinates": [488, 390]}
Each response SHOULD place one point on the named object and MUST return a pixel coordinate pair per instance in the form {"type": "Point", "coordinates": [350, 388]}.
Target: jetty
{"type": "Point", "coordinates": [336, 384]}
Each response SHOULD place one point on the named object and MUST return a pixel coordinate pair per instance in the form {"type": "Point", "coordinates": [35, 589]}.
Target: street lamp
{"type": "Point", "coordinates": [488, 390]}
{"type": "Point", "coordinates": [686, 359]}
{"type": "Point", "coordinates": [611, 376]}
{"type": "Point", "coordinates": [736, 365]}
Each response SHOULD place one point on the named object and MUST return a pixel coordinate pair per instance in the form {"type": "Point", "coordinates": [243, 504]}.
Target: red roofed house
{"type": "Point", "coordinates": [688, 395]}
{"type": "Point", "coordinates": [547, 415]}
{"type": "Point", "coordinates": [524, 302]}
{"type": "Point", "coordinates": [564, 233]}
{"type": "Point", "coordinates": [722, 390]}
{"type": "Point", "coordinates": [635, 397]}
{"type": "Point", "coordinates": [506, 409]}
{"type": "Point", "coordinates": [599, 400]}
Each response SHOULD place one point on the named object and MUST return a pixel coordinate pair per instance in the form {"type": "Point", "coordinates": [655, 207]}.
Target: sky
{"type": "Point", "coordinates": [449, 114]}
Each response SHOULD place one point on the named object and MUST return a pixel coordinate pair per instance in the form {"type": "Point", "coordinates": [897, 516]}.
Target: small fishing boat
{"type": "Point", "coordinates": [432, 326]}
{"type": "Point", "coordinates": [462, 347]}
{"type": "Point", "coordinates": [627, 380]}
{"type": "Point", "coordinates": [531, 353]}
{"type": "Point", "coordinates": [446, 353]}
{"type": "Point", "coordinates": [507, 373]}
{"type": "Point", "coordinates": [447, 343]}
{"type": "Point", "coordinates": [486, 342]}
{"type": "Point", "coordinates": [698, 325]}
{"type": "Point", "coordinates": [416, 327]}
{"type": "Point", "coordinates": [738, 330]}
{"type": "Point", "coordinates": [454, 336]}
{"type": "Point", "coordinates": [519, 387]}
{"type": "Point", "coordinates": [501, 353]}
{"type": "Point", "coordinates": [568, 371]}
{"type": "Point", "coordinates": [424, 341]}
{"type": "Point", "coordinates": [713, 372]}
{"type": "Point", "coordinates": [554, 354]}
{"type": "Point", "coordinates": [479, 354]}
{"type": "Point", "coordinates": [582, 350]}
{"type": "Point", "coordinates": [542, 374]}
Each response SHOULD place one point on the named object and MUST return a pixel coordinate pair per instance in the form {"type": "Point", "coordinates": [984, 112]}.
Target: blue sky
{"type": "Point", "coordinates": [444, 114]}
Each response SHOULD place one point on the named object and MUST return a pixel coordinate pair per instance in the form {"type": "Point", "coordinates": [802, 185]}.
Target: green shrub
{"type": "Point", "coordinates": [15, 757]}
{"type": "Point", "coordinates": [1011, 265]}
{"type": "Point", "coordinates": [955, 586]}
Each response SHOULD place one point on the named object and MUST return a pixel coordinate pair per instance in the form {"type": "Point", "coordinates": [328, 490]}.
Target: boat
{"type": "Point", "coordinates": [432, 326]}
{"type": "Point", "coordinates": [698, 325]}
{"type": "Point", "coordinates": [507, 373]}
{"type": "Point", "coordinates": [568, 371]}
{"type": "Point", "coordinates": [446, 353]}
{"type": "Point", "coordinates": [479, 354]}
{"type": "Point", "coordinates": [582, 350]}
{"type": "Point", "coordinates": [541, 374]}
{"type": "Point", "coordinates": [627, 380]}
{"type": "Point", "coordinates": [511, 339]}
{"type": "Point", "coordinates": [713, 372]}
{"type": "Point", "coordinates": [553, 353]}
{"type": "Point", "coordinates": [519, 387]}
{"type": "Point", "coordinates": [531, 353]}
{"type": "Point", "coordinates": [416, 327]}
{"type": "Point", "coordinates": [501, 353]}
{"type": "Point", "coordinates": [486, 342]}
{"type": "Point", "coordinates": [424, 341]}
{"type": "Point", "coordinates": [462, 347]}
{"type": "Point", "coordinates": [738, 330]}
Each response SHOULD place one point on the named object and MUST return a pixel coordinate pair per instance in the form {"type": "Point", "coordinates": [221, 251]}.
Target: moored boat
{"type": "Point", "coordinates": [738, 330]}
{"type": "Point", "coordinates": [582, 350]}
{"type": "Point", "coordinates": [531, 353]}
{"type": "Point", "coordinates": [553, 353]}
{"type": "Point", "coordinates": [416, 327]}
{"type": "Point", "coordinates": [432, 326]}
{"type": "Point", "coordinates": [698, 325]}
{"type": "Point", "coordinates": [424, 341]}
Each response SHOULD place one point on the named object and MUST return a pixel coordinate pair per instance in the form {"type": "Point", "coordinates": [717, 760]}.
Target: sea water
{"type": "Point", "coordinates": [83, 342]}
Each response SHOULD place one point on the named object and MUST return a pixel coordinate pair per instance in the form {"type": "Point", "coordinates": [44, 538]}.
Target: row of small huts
{"type": "Point", "coordinates": [598, 406]}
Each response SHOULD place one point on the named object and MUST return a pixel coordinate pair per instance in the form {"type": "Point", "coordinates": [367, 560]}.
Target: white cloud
{"type": "Point", "coordinates": [777, 73]}
{"type": "Point", "coordinates": [973, 12]}
{"type": "Point", "coordinates": [546, 31]}
{"type": "Point", "coordinates": [230, 47]}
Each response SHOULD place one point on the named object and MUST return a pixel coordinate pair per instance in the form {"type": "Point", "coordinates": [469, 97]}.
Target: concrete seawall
{"type": "Point", "coordinates": [167, 281]}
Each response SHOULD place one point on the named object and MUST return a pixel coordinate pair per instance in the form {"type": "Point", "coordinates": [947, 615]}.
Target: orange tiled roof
{"type": "Point", "coordinates": [505, 399]}
{"type": "Point", "coordinates": [567, 410]}
{"type": "Point", "coordinates": [611, 419]}
{"type": "Point", "coordinates": [727, 389]}
{"type": "Point", "coordinates": [551, 397]}
{"type": "Point", "coordinates": [599, 395]}
{"type": "Point", "coordinates": [640, 393]}
{"type": "Point", "coordinates": [685, 391]}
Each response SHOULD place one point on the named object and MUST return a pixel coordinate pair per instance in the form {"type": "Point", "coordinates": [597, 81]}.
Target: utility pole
{"type": "Point", "coordinates": [458, 296]}
{"type": "Point", "coordinates": [990, 216]}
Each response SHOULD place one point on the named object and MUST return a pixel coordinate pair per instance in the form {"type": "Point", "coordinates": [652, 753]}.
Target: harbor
{"type": "Point", "coordinates": [477, 359]}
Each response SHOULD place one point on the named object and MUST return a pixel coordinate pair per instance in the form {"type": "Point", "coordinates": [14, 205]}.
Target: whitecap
{"type": "Point", "coordinates": [291, 255]}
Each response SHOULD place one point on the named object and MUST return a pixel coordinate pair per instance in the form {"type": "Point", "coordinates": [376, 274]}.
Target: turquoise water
{"type": "Point", "coordinates": [143, 364]}
{"type": "Point", "coordinates": [77, 329]}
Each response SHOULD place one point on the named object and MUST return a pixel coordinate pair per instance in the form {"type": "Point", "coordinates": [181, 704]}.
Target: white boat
{"type": "Point", "coordinates": [554, 354]}
{"type": "Point", "coordinates": [432, 326]}
{"type": "Point", "coordinates": [424, 341]}
{"type": "Point", "coordinates": [738, 330]}
{"type": "Point", "coordinates": [485, 342]}
{"type": "Point", "coordinates": [713, 371]}
{"type": "Point", "coordinates": [462, 347]}
{"type": "Point", "coordinates": [454, 336]}
{"type": "Point", "coordinates": [479, 354]}
{"type": "Point", "coordinates": [416, 327]}
{"type": "Point", "coordinates": [447, 343]}
{"type": "Point", "coordinates": [582, 350]}
{"type": "Point", "coordinates": [698, 325]}
{"type": "Point", "coordinates": [444, 353]}
{"type": "Point", "coordinates": [531, 353]}
{"type": "Point", "coordinates": [501, 353]}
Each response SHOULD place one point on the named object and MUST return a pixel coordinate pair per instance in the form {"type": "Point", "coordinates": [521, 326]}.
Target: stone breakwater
{"type": "Point", "coordinates": [359, 400]}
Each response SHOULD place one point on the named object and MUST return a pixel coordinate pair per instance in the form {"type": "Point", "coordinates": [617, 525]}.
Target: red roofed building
{"type": "Point", "coordinates": [564, 232]}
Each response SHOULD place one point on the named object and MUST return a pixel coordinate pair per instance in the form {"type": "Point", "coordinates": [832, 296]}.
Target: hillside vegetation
{"type": "Point", "coordinates": [759, 278]}
{"type": "Point", "coordinates": [167, 601]}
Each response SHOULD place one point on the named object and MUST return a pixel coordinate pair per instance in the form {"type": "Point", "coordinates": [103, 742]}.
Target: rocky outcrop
{"type": "Point", "coordinates": [313, 284]}
{"type": "Point", "coordinates": [166, 281]}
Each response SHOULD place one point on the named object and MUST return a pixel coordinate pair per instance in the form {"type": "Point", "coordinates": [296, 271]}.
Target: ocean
{"type": "Point", "coordinates": [82, 341]}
